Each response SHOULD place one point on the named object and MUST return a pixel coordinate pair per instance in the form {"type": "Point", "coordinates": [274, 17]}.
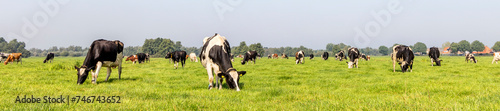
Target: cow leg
{"type": "Point", "coordinates": [210, 76]}
{"type": "Point", "coordinates": [96, 73]}
{"type": "Point", "coordinates": [356, 63]}
{"type": "Point", "coordinates": [109, 73]}
{"type": "Point", "coordinates": [183, 62]}
{"type": "Point", "coordinates": [394, 65]}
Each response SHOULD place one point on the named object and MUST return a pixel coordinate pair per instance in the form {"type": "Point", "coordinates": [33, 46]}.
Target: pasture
{"type": "Point", "coordinates": [271, 84]}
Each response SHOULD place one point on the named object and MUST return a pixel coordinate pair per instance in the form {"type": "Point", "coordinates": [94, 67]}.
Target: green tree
{"type": "Point", "coordinates": [329, 46]}
{"type": "Point", "coordinates": [177, 45]}
{"type": "Point", "coordinates": [477, 46]}
{"type": "Point", "coordinates": [335, 49]}
{"type": "Point", "coordinates": [454, 47]}
{"type": "Point", "coordinates": [419, 47]}
{"type": "Point", "coordinates": [243, 48]}
{"type": "Point", "coordinates": [464, 45]}
{"type": "Point", "coordinates": [496, 47]}
{"type": "Point", "coordinates": [383, 50]}
{"type": "Point", "coordinates": [257, 47]}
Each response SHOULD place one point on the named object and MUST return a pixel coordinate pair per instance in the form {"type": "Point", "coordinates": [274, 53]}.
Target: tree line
{"type": "Point", "coordinates": [14, 46]}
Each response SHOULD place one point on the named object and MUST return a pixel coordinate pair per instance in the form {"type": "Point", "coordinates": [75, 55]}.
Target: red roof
{"type": "Point", "coordinates": [486, 50]}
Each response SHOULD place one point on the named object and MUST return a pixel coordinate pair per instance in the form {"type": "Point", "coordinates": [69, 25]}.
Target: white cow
{"type": "Point", "coordinates": [496, 57]}
{"type": "Point", "coordinates": [192, 57]}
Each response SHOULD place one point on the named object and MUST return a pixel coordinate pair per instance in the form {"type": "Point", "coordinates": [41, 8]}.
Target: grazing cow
{"type": "Point", "coordinates": [249, 56]}
{"type": "Point", "coordinates": [311, 56]}
{"type": "Point", "coordinates": [49, 57]}
{"type": "Point", "coordinates": [12, 57]}
{"type": "Point", "coordinates": [404, 56]}
{"type": "Point", "coordinates": [354, 55]}
{"type": "Point", "coordinates": [132, 58]}
{"type": "Point", "coordinates": [192, 57]}
{"type": "Point", "coordinates": [340, 56]}
{"type": "Point", "coordinates": [434, 55]}
{"type": "Point", "coordinates": [102, 53]}
{"type": "Point", "coordinates": [367, 58]}
{"type": "Point", "coordinates": [177, 56]}
{"type": "Point", "coordinates": [269, 56]}
{"type": "Point", "coordinates": [470, 57]}
{"type": "Point", "coordinates": [496, 57]}
{"type": "Point", "coordinates": [299, 57]}
{"type": "Point", "coordinates": [141, 57]}
{"type": "Point", "coordinates": [215, 57]}
{"type": "Point", "coordinates": [275, 56]}
{"type": "Point", "coordinates": [325, 55]}
{"type": "Point", "coordinates": [284, 56]}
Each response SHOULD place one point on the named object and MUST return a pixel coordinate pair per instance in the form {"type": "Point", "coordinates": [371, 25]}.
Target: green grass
{"type": "Point", "coordinates": [271, 84]}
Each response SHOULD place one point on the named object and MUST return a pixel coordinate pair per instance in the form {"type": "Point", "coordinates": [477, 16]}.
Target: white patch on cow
{"type": "Point", "coordinates": [82, 70]}
{"type": "Point", "coordinates": [496, 57]}
{"type": "Point", "coordinates": [109, 64]}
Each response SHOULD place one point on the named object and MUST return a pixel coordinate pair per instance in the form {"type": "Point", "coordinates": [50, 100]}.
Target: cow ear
{"type": "Point", "coordinates": [77, 68]}
{"type": "Point", "coordinates": [241, 73]}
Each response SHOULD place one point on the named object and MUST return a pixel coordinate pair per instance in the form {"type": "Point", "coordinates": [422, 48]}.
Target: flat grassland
{"type": "Point", "coordinates": [270, 84]}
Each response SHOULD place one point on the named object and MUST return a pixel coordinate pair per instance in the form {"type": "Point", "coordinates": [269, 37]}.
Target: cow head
{"type": "Point", "coordinates": [232, 78]}
{"type": "Point", "coordinates": [438, 62]}
{"type": "Point", "coordinates": [82, 74]}
{"type": "Point", "coordinates": [45, 61]}
{"type": "Point", "coordinates": [350, 64]}
{"type": "Point", "coordinates": [169, 55]}
{"type": "Point", "coordinates": [404, 66]}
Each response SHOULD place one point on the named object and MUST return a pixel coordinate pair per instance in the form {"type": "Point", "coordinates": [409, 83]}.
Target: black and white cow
{"type": "Point", "coordinates": [367, 58]}
{"type": "Point", "coordinates": [299, 57]}
{"type": "Point", "coordinates": [215, 57]}
{"type": "Point", "coordinates": [49, 57]}
{"type": "Point", "coordinates": [325, 55]}
{"type": "Point", "coordinates": [102, 53]}
{"type": "Point", "coordinates": [177, 56]}
{"type": "Point", "coordinates": [404, 56]}
{"type": "Point", "coordinates": [354, 55]}
{"type": "Point", "coordinates": [147, 57]}
{"type": "Point", "coordinates": [141, 57]}
{"type": "Point", "coordinates": [340, 55]}
{"type": "Point", "coordinates": [249, 56]}
{"type": "Point", "coordinates": [434, 55]}
{"type": "Point", "coordinates": [311, 56]}
{"type": "Point", "coordinates": [470, 57]}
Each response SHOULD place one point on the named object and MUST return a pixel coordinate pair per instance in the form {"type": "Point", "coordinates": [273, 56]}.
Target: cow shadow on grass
{"type": "Point", "coordinates": [123, 79]}
{"type": "Point", "coordinates": [225, 86]}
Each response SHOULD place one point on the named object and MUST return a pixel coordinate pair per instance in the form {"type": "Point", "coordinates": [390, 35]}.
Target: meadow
{"type": "Point", "coordinates": [270, 84]}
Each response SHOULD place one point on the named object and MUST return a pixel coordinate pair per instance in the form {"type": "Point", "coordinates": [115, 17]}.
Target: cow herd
{"type": "Point", "coordinates": [216, 58]}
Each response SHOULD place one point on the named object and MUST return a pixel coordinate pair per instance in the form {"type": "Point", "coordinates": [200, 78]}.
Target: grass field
{"type": "Point", "coordinates": [271, 84]}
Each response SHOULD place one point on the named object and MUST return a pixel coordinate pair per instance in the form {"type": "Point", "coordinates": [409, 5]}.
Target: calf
{"type": "Point", "coordinates": [354, 56]}
{"type": "Point", "coordinates": [340, 55]}
{"type": "Point", "coordinates": [404, 56]}
{"type": "Point", "coordinates": [132, 58]}
{"type": "Point", "coordinates": [192, 57]}
{"type": "Point", "coordinates": [102, 53]}
{"type": "Point", "coordinates": [215, 57]}
{"type": "Point", "coordinates": [325, 55]}
{"type": "Point", "coordinates": [177, 56]}
{"type": "Point", "coordinates": [311, 56]}
{"type": "Point", "coordinates": [12, 57]}
{"type": "Point", "coordinates": [249, 56]}
{"type": "Point", "coordinates": [299, 57]}
{"type": "Point", "coordinates": [496, 57]}
{"type": "Point", "coordinates": [49, 57]}
{"type": "Point", "coordinates": [434, 55]}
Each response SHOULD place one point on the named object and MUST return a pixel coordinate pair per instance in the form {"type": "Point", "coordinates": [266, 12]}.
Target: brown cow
{"type": "Point", "coordinates": [12, 57]}
{"type": "Point", "coordinates": [132, 58]}
{"type": "Point", "coordinates": [275, 56]}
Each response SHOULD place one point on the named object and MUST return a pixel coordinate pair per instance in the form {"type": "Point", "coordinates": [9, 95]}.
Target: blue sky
{"type": "Point", "coordinates": [274, 23]}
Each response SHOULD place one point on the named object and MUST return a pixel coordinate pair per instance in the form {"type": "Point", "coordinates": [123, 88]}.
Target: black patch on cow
{"type": "Point", "coordinates": [311, 56]}
{"type": "Point", "coordinates": [141, 57]}
{"type": "Point", "coordinates": [325, 55]}
{"type": "Point", "coordinates": [434, 54]}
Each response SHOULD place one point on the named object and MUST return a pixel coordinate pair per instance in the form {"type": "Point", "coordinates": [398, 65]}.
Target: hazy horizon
{"type": "Point", "coordinates": [278, 23]}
